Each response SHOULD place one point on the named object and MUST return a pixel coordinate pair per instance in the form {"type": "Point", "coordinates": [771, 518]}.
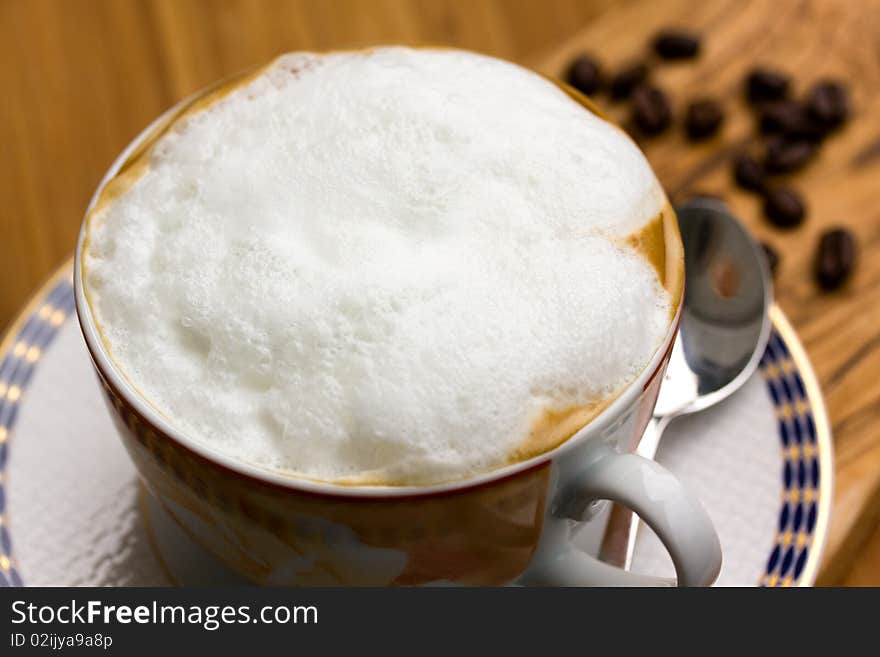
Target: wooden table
{"type": "Point", "coordinates": [81, 78]}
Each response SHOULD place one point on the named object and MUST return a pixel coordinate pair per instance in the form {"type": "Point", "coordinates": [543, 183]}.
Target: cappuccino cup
{"type": "Point", "coordinates": [390, 317]}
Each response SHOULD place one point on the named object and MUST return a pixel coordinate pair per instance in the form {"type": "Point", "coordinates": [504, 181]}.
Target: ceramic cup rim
{"type": "Point", "coordinates": [114, 377]}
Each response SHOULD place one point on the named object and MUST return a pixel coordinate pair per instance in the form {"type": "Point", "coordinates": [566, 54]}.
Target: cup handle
{"type": "Point", "coordinates": [655, 495]}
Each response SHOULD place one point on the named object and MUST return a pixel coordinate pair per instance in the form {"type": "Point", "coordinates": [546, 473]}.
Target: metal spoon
{"type": "Point", "coordinates": [724, 325]}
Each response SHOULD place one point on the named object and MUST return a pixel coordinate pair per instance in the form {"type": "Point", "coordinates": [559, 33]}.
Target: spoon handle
{"type": "Point", "coordinates": [651, 438]}
{"type": "Point", "coordinates": [648, 449]}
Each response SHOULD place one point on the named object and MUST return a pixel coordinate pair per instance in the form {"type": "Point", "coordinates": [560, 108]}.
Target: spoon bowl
{"type": "Point", "coordinates": [725, 323]}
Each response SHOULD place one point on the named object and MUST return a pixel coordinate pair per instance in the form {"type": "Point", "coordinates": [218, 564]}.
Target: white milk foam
{"type": "Point", "coordinates": [380, 266]}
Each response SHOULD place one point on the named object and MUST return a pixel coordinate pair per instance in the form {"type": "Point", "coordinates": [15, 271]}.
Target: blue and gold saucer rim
{"type": "Point", "coordinates": [808, 459]}
{"type": "Point", "coordinates": [21, 348]}
{"type": "Point", "coordinates": [803, 428]}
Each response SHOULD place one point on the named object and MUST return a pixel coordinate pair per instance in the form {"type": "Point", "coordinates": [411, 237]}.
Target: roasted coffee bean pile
{"type": "Point", "coordinates": [792, 131]}
{"type": "Point", "coordinates": [789, 131]}
{"type": "Point", "coordinates": [650, 107]}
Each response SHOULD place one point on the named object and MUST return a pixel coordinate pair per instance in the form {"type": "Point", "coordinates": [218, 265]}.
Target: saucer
{"type": "Point", "coordinates": [72, 511]}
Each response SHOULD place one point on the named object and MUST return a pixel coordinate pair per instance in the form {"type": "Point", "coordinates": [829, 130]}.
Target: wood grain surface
{"type": "Point", "coordinates": [81, 78]}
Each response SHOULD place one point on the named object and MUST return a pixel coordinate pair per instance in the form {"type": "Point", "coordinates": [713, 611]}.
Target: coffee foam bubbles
{"type": "Point", "coordinates": [380, 267]}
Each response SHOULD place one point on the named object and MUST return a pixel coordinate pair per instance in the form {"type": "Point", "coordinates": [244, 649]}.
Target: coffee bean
{"type": "Point", "coordinates": [627, 79]}
{"type": "Point", "coordinates": [784, 156]}
{"type": "Point", "coordinates": [835, 258]}
{"type": "Point", "coordinates": [771, 255]}
{"type": "Point", "coordinates": [749, 173]}
{"type": "Point", "coordinates": [703, 118]}
{"type": "Point", "coordinates": [764, 84]}
{"type": "Point", "coordinates": [792, 120]}
{"type": "Point", "coordinates": [781, 116]}
{"type": "Point", "coordinates": [651, 111]}
{"type": "Point", "coordinates": [585, 75]}
{"type": "Point", "coordinates": [676, 44]}
{"type": "Point", "coordinates": [784, 207]}
{"type": "Point", "coordinates": [828, 103]}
